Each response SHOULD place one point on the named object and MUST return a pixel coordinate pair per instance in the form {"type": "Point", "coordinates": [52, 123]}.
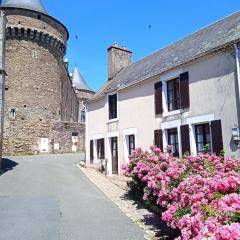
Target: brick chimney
{"type": "Point", "coordinates": [118, 58]}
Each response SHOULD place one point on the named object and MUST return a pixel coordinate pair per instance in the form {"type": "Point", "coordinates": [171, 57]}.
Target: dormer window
{"type": "Point", "coordinates": [112, 102]}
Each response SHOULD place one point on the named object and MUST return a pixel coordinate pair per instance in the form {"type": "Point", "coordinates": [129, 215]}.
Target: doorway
{"type": "Point", "coordinates": [114, 152]}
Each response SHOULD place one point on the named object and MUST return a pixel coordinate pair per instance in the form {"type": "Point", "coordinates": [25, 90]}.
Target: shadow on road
{"type": "Point", "coordinates": [8, 165]}
{"type": "Point", "coordinates": [153, 221]}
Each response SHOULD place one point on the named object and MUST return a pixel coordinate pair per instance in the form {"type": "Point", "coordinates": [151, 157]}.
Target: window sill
{"type": "Point", "coordinates": [112, 120]}
{"type": "Point", "coordinates": [167, 114]}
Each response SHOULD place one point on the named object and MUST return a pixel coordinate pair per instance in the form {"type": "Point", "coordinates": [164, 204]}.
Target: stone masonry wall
{"type": "Point", "coordinates": [61, 136]}
{"type": "Point", "coordinates": [31, 19]}
{"type": "Point", "coordinates": [33, 89]}
{"type": "Point", "coordinates": [69, 102]}
{"type": "Point", "coordinates": [35, 73]}
{"type": "Point", "coordinates": [2, 76]}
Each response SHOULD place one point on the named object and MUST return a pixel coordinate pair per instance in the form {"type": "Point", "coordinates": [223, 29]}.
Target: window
{"type": "Point", "coordinates": [173, 140]}
{"type": "Point", "coordinates": [83, 116]}
{"type": "Point", "coordinates": [158, 138]}
{"type": "Point", "coordinates": [173, 94]}
{"type": "Point", "coordinates": [12, 113]}
{"type": "Point", "coordinates": [203, 138]}
{"type": "Point", "coordinates": [158, 98]}
{"type": "Point", "coordinates": [100, 149]}
{"type": "Point", "coordinates": [131, 144]}
{"type": "Point", "coordinates": [112, 101]}
{"type": "Point", "coordinates": [91, 151]}
{"type": "Point", "coordinates": [34, 54]}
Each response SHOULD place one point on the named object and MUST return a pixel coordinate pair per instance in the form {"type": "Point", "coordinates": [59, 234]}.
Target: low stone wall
{"type": "Point", "coordinates": [61, 137]}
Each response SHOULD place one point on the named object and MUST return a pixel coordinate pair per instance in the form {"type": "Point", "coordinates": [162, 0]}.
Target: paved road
{"type": "Point", "coordinates": [48, 198]}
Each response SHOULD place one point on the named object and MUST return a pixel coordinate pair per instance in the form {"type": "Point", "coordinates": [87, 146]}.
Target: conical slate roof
{"type": "Point", "coordinates": [35, 5]}
{"type": "Point", "coordinates": [78, 81]}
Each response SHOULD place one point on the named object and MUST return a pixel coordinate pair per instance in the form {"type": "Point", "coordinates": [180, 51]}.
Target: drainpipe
{"type": "Point", "coordinates": [238, 67]}
{"type": "Point", "coordinates": [237, 51]}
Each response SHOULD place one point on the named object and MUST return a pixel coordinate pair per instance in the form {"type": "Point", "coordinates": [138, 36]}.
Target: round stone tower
{"type": "Point", "coordinates": [35, 46]}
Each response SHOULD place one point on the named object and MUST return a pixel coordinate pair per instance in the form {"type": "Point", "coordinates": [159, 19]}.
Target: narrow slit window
{"type": "Point", "coordinates": [12, 113]}
{"type": "Point", "coordinates": [34, 54]}
{"type": "Point", "coordinates": [83, 116]}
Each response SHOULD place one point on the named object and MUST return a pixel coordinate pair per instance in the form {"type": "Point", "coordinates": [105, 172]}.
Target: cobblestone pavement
{"type": "Point", "coordinates": [115, 188]}
{"type": "Point", "coordinates": [48, 198]}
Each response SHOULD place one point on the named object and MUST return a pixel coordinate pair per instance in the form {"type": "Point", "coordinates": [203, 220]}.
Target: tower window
{"type": "Point", "coordinates": [39, 17]}
{"type": "Point", "coordinates": [12, 114]}
{"type": "Point", "coordinates": [83, 116]}
{"type": "Point", "coordinates": [34, 54]}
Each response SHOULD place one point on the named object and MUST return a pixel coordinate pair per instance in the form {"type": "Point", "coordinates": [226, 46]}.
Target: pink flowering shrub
{"type": "Point", "coordinates": [199, 195]}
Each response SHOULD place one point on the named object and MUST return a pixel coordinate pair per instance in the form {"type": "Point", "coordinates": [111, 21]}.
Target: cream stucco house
{"type": "Point", "coordinates": [186, 95]}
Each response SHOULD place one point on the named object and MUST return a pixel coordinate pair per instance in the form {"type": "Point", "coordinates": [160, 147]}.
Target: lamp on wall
{"type": "Point", "coordinates": [236, 134]}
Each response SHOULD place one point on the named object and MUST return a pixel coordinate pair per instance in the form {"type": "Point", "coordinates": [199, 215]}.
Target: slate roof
{"type": "Point", "coordinates": [78, 81]}
{"type": "Point", "coordinates": [206, 40]}
{"type": "Point", "coordinates": [35, 5]}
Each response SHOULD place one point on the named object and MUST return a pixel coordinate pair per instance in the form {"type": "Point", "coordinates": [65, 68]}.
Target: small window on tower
{"type": "Point", "coordinates": [83, 116]}
{"type": "Point", "coordinates": [12, 113]}
{"type": "Point", "coordinates": [34, 54]}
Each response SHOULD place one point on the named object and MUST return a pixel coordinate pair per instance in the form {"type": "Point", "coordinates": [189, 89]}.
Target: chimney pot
{"type": "Point", "coordinates": [115, 44]}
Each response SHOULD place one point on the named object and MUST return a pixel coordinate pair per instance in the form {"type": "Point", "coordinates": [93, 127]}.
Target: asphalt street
{"type": "Point", "coordinates": [48, 198]}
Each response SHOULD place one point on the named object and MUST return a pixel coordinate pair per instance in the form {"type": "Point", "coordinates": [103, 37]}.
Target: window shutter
{"type": "Point", "coordinates": [184, 90]}
{"type": "Point", "coordinates": [217, 140]}
{"type": "Point", "coordinates": [185, 139]}
{"type": "Point", "coordinates": [91, 151]}
{"type": "Point", "coordinates": [102, 149]}
{"type": "Point", "coordinates": [158, 140]}
{"type": "Point", "coordinates": [158, 98]}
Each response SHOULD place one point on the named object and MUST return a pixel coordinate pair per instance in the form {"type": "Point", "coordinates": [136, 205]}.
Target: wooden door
{"type": "Point", "coordinates": [114, 150]}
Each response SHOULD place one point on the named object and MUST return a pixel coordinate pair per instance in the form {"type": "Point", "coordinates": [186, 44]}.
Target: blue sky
{"type": "Point", "coordinates": [99, 23]}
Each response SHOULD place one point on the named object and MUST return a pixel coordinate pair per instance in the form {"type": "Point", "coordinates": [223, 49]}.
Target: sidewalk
{"type": "Point", "coordinates": [115, 188]}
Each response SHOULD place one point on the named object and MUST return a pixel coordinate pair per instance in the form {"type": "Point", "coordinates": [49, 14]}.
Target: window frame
{"type": "Point", "coordinates": [115, 116]}
{"type": "Point", "coordinates": [130, 143]}
{"type": "Point", "coordinates": [83, 116]}
{"type": "Point", "coordinates": [204, 134]}
{"type": "Point", "coordinates": [12, 113]}
{"type": "Point", "coordinates": [175, 91]}
{"type": "Point", "coordinates": [176, 144]}
{"type": "Point", "coordinates": [100, 150]}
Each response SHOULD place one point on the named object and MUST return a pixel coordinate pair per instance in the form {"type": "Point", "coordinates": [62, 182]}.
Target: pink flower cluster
{"type": "Point", "coordinates": [199, 195]}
